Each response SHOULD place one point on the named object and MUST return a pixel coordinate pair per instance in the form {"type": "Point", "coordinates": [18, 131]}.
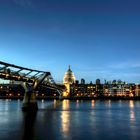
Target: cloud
{"type": "Point", "coordinates": [124, 65]}
{"type": "Point", "coordinates": [23, 3]}
{"type": "Point", "coordinates": [135, 65]}
{"type": "Point", "coordinates": [111, 73]}
{"type": "Point", "coordinates": [126, 71]}
{"type": "Point", "coordinates": [131, 74]}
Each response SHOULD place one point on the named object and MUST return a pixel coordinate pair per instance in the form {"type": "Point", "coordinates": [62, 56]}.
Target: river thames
{"type": "Point", "coordinates": [71, 120]}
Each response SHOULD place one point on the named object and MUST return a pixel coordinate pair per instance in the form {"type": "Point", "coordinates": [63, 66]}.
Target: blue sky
{"type": "Point", "coordinates": [98, 38]}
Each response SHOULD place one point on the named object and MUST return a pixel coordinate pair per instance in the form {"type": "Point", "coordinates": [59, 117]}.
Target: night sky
{"type": "Point", "coordinates": [98, 38]}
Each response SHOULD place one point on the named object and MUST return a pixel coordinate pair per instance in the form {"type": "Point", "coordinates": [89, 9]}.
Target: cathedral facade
{"type": "Point", "coordinates": [69, 79]}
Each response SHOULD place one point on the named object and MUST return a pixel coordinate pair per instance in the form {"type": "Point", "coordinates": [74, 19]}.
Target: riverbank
{"type": "Point", "coordinates": [102, 98]}
{"type": "Point", "coordinates": [76, 98]}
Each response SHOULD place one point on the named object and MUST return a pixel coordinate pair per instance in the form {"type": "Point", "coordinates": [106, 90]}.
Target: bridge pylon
{"type": "Point", "coordinates": [29, 101]}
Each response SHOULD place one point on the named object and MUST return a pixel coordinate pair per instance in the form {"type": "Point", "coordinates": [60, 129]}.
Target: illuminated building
{"type": "Point", "coordinates": [69, 77]}
{"type": "Point", "coordinates": [68, 80]}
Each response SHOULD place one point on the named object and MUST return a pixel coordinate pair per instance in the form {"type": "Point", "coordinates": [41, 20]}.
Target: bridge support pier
{"type": "Point", "coordinates": [29, 102]}
{"type": "Point", "coordinates": [60, 96]}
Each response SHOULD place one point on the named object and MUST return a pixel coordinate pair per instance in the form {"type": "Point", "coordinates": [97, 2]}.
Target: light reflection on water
{"type": "Point", "coordinates": [67, 120]}
{"type": "Point", "coordinates": [132, 113]}
{"type": "Point", "coordinates": [131, 104]}
{"type": "Point", "coordinates": [92, 104]}
{"type": "Point", "coordinates": [65, 104]}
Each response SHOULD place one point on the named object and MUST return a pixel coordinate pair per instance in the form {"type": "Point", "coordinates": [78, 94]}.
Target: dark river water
{"type": "Point", "coordinates": [71, 120]}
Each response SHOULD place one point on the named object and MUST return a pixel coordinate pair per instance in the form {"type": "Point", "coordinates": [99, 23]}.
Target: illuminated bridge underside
{"type": "Point", "coordinates": [30, 79]}
{"type": "Point", "coordinates": [17, 73]}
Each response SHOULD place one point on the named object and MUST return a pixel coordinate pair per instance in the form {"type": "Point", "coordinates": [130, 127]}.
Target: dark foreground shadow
{"type": "Point", "coordinates": [29, 126]}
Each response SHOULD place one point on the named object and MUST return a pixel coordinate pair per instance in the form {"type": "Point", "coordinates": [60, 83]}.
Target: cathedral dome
{"type": "Point", "coordinates": [69, 77]}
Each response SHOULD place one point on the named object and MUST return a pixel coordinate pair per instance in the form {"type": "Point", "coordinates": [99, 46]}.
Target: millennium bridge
{"type": "Point", "coordinates": [30, 80]}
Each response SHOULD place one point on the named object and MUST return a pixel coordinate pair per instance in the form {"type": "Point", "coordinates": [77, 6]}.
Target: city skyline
{"type": "Point", "coordinates": [99, 39]}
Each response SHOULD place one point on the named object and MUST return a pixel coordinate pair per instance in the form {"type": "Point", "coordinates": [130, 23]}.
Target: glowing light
{"type": "Point", "coordinates": [92, 103]}
{"type": "Point", "coordinates": [65, 104]}
{"type": "Point", "coordinates": [77, 101]}
{"type": "Point", "coordinates": [131, 104]}
{"type": "Point", "coordinates": [65, 122]}
{"type": "Point", "coordinates": [65, 94]}
{"type": "Point", "coordinates": [69, 77]}
{"type": "Point", "coordinates": [132, 115]}
{"type": "Point", "coordinates": [55, 104]}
